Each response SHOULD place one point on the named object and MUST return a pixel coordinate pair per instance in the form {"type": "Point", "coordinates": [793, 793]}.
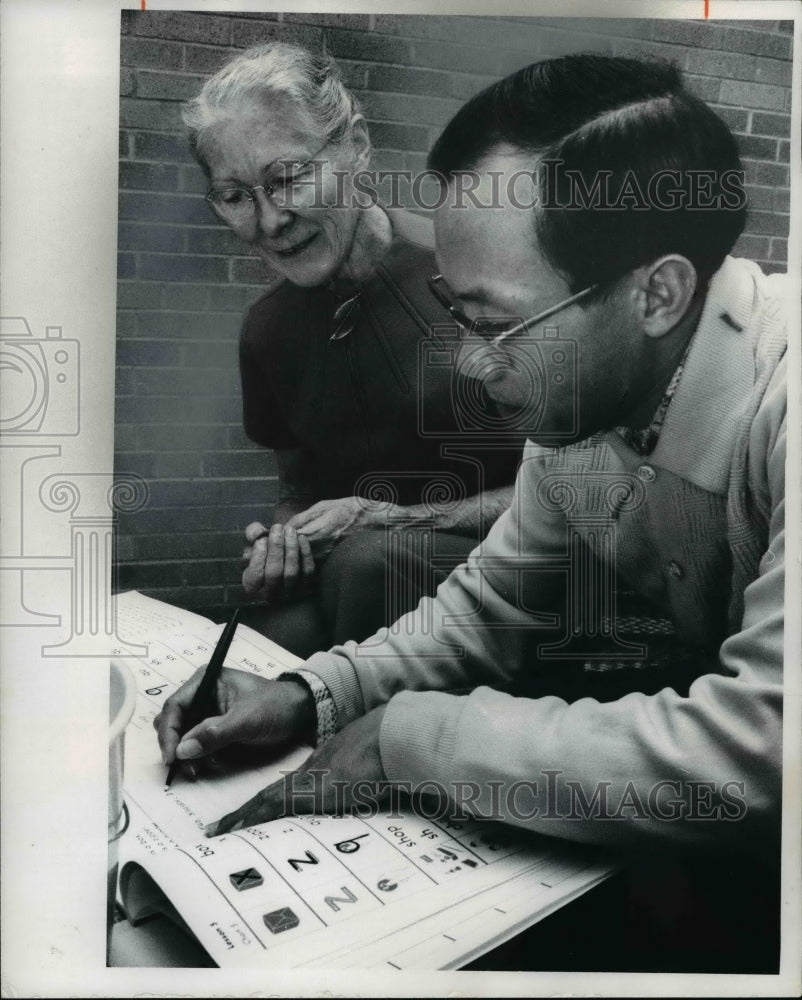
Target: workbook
{"type": "Point", "coordinates": [388, 888]}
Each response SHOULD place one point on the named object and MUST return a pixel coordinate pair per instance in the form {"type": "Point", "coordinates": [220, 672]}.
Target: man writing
{"type": "Point", "coordinates": [657, 453]}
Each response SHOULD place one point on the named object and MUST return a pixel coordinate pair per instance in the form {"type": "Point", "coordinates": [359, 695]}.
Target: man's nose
{"type": "Point", "coordinates": [270, 218]}
{"type": "Point", "coordinates": [476, 358]}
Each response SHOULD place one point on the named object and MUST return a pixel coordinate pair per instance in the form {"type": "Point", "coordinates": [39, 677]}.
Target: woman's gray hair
{"type": "Point", "coordinates": [275, 69]}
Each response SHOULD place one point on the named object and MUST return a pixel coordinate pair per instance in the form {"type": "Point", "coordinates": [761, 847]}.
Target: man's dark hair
{"type": "Point", "coordinates": [584, 114]}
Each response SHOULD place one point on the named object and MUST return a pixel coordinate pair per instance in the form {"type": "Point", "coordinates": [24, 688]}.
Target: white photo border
{"type": "Point", "coordinates": [60, 112]}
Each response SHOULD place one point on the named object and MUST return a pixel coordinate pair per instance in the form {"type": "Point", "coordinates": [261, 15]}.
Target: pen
{"type": "Point", "coordinates": [203, 701]}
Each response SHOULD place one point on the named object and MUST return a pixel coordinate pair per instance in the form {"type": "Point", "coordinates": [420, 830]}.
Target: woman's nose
{"type": "Point", "coordinates": [270, 218]}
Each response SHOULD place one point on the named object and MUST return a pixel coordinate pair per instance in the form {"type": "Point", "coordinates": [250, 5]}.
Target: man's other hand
{"type": "Point", "coordinates": [346, 771]}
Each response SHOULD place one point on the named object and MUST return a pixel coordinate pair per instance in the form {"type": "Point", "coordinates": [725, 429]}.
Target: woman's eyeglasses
{"type": "Point", "coordinates": [237, 204]}
{"type": "Point", "coordinates": [346, 317]}
{"type": "Point", "coordinates": [496, 330]}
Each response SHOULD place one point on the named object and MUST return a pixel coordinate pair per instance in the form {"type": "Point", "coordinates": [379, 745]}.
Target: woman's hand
{"type": "Point", "coordinates": [328, 522]}
{"type": "Point", "coordinates": [251, 711]}
{"type": "Point", "coordinates": [279, 561]}
{"type": "Point", "coordinates": [345, 771]}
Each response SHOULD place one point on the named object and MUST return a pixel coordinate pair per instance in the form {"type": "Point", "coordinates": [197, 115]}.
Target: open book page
{"type": "Point", "coordinates": [393, 890]}
{"type": "Point", "coordinates": [139, 618]}
{"type": "Point", "coordinates": [178, 643]}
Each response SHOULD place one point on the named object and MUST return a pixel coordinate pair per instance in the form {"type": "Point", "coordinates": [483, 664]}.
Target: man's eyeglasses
{"type": "Point", "coordinates": [496, 330]}
{"type": "Point", "coordinates": [237, 205]}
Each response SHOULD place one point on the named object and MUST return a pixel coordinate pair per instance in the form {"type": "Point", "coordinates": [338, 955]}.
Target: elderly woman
{"type": "Point", "coordinates": [335, 373]}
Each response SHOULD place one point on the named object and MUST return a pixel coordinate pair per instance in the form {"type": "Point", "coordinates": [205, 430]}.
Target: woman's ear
{"type": "Point", "coordinates": [668, 287]}
{"type": "Point", "coordinates": [360, 142]}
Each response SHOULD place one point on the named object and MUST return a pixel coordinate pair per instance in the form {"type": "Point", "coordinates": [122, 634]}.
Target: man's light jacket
{"type": "Point", "coordinates": [697, 527]}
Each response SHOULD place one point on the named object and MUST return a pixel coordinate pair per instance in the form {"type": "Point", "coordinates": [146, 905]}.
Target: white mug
{"type": "Point", "coordinates": [122, 701]}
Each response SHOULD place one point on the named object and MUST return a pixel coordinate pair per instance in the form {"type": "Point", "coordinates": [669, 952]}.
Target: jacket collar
{"type": "Point", "coordinates": [700, 428]}
{"type": "Point", "coordinates": [408, 226]}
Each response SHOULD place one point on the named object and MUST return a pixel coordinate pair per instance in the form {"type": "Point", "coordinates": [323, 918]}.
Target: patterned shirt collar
{"type": "Point", "coordinates": [644, 441]}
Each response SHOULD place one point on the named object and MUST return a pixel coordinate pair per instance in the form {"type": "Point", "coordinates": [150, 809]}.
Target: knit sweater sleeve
{"type": "Point", "coordinates": [701, 770]}
{"type": "Point", "coordinates": [476, 630]}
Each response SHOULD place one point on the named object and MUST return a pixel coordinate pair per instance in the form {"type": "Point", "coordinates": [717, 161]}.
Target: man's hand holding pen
{"type": "Point", "coordinates": [260, 713]}
{"type": "Point", "coordinates": [250, 711]}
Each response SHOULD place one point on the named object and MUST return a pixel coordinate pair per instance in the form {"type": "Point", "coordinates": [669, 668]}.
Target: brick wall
{"type": "Point", "coordinates": [184, 280]}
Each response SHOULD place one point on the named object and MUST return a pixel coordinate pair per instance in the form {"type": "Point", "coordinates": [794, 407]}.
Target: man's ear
{"type": "Point", "coordinates": [667, 289]}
